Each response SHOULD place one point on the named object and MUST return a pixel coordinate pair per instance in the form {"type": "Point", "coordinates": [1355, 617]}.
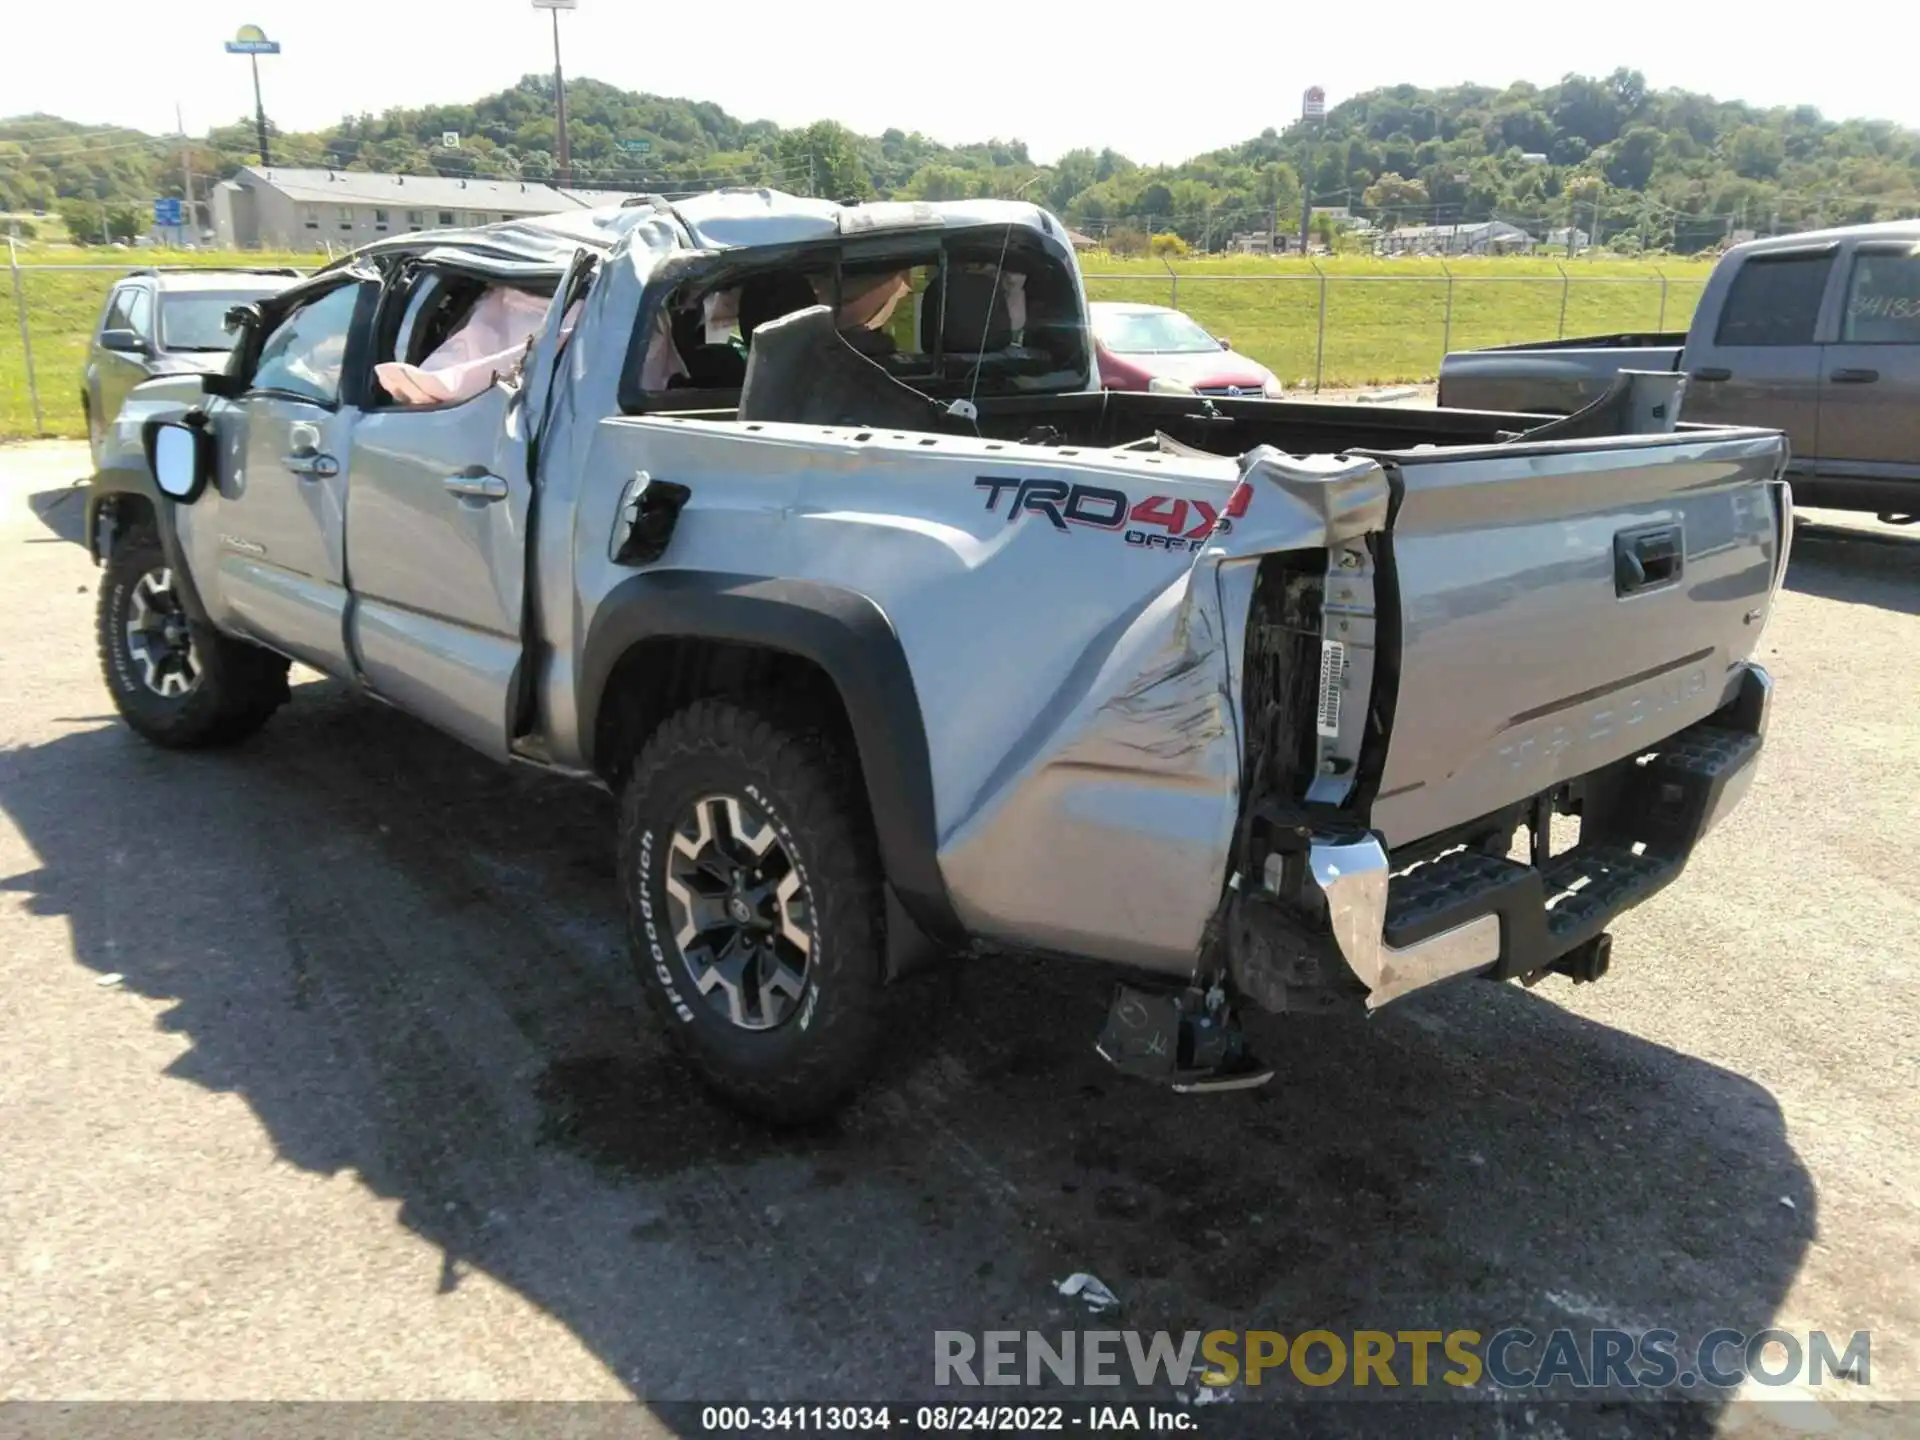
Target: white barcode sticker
{"type": "Point", "coordinates": [1333, 675]}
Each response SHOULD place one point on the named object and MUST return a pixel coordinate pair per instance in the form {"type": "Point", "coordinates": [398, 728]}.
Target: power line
{"type": "Point", "coordinates": [41, 157]}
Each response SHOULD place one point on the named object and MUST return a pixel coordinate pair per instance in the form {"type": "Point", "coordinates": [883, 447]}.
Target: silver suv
{"type": "Point", "coordinates": [164, 322]}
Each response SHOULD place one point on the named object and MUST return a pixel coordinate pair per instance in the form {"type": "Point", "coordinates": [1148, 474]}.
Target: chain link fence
{"type": "Point", "coordinates": [43, 345]}
{"type": "Point", "coordinates": [1314, 331]}
{"type": "Point", "coordinates": [48, 316]}
{"type": "Point", "coordinates": [1333, 331]}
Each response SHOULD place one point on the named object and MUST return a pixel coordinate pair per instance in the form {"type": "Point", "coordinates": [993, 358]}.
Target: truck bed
{"type": "Point", "coordinates": [1413, 624]}
{"type": "Point", "coordinates": [1554, 377]}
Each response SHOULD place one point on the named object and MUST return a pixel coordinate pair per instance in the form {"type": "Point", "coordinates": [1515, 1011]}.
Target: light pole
{"type": "Point", "coordinates": [1313, 107]}
{"type": "Point", "coordinates": [564, 159]}
{"type": "Point", "coordinates": [252, 42]}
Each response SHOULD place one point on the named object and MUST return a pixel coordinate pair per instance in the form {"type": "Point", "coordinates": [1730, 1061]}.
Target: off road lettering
{"type": "Point", "coordinates": [1062, 504]}
{"type": "Point", "coordinates": [1184, 523]}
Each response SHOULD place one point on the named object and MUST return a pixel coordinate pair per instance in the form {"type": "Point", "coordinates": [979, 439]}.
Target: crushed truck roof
{"type": "Point", "coordinates": [716, 220]}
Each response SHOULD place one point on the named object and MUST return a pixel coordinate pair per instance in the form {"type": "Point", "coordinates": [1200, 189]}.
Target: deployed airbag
{"type": "Point", "coordinates": [491, 342]}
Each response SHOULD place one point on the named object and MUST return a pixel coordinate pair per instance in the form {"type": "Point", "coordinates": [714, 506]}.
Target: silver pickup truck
{"type": "Point", "coordinates": [1816, 335]}
{"type": "Point", "coordinates": [802, 529]}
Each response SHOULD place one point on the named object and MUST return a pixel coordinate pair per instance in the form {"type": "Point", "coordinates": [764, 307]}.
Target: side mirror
{"type": "Point", "coordinates": [126, 341]}
{"type": "Point", "coordinates": [180, 454]}
{"type": "Point", "coordinates": [1225, 344]}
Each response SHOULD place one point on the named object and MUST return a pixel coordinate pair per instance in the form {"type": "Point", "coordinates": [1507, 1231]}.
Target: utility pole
{"type": "Point", "coordinates": [259, 113]}
{"type": "Point", "coordinates": [1313, 108]}
{"type": "Point", "coordinates": [560, 105]}
{"type": "Point", "coordinates": [564, 155]}
{"type": "Point", "coordinates": [186, 172]}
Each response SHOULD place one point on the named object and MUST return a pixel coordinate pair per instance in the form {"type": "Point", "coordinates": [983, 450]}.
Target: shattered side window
{"type": "Point", "coordinates": [304, 354]}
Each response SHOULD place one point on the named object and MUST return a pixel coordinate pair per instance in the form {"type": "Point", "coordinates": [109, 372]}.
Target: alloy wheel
{"type": "Point", "coordinates": [160, 637]}
{"type": "Point", "coordinates": [741, 913]}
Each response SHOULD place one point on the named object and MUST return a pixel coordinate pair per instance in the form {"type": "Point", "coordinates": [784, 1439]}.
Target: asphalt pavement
{"type": "Point", "coordinates": [325, 1078]}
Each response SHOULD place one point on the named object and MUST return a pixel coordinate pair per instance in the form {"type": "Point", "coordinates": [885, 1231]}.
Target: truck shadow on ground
{"type": "Point", "coordinates": [411, 964]}
{"type": "Point", "coordinates": [63, 510]}
{"type": "Point", "coordinates": [1857, 566]}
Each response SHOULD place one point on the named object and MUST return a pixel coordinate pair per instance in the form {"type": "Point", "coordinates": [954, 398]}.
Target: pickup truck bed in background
{"type": "Point", "coordinates": [1553, 377]}
{"type": "Point", "coordinates": [1815, 335]}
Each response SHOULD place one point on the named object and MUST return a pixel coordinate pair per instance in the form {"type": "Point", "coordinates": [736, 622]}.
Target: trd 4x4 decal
{"type": "Point", "coordinates": [1159, 522]}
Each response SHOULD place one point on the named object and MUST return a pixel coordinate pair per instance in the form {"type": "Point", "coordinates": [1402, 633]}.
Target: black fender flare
{"type": "Point", "coordinates": [852, 641]}
{"type": "Point", "coordinates": [127, 475]}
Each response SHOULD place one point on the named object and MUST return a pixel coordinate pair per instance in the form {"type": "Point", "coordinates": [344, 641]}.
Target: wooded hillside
{"type": "Point", "coordinates": [1668, 169]}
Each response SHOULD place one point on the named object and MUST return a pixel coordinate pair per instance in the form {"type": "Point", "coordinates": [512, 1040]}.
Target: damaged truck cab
{"type": "Point", "coordinates": [802, 529]}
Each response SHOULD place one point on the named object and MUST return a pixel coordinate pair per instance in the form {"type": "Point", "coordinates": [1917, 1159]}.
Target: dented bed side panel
{"type": "Point", "coordinates": [1109, 831]}
{"type": "Point", "coordinates": [1076, 626]}
{"type": "Point", "coordinates": [1073, 620]}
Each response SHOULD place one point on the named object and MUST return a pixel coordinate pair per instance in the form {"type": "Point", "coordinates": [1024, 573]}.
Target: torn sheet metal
{"type": "Point", "coordinates": [1134, 767]}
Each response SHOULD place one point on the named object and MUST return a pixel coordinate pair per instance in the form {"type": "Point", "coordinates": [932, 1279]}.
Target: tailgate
{"type": "Point", "coordinates": [1562, 606]}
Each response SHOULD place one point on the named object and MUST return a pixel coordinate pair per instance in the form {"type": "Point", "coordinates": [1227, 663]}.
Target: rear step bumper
{"type": "Point", "coordinates": [1470, 912]}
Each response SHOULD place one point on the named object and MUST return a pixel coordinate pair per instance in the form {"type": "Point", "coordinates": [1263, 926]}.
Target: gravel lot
{"type": "Point", "coordinates": [324, 1079]}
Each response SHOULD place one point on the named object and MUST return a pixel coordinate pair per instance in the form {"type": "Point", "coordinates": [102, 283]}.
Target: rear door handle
{"type": "Point", "coordinates": [1711, 373]}
{"type": "Point", "coordinates": [469, 486]}
{"type": "Point", "coordinates": [1645, 558]}
{"type": "Point", "coordinates": [1854, 377]}
{"type": "Point", "coordinates": [309, 465]}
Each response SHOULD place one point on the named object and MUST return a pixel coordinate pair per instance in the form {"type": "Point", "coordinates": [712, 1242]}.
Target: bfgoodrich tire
{"type": "Point", "coordinates": [754, 901]}
{"type": "Point", "coordinates": [175, 681]}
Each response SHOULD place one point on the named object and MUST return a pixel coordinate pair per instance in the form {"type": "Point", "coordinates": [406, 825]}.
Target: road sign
{"type": "Point", "coordinates": [252, 40]}
{"type": "Point", "coordinates": [556, 4]}
{"type": "Point", "coordinates": [166, 211]}
{"type": "Point", "coordinates": [1313, 105]}
{"type": "Point", "coordinates": [449, 139]}
{"type": "Point", "coordinates": [639, 147]}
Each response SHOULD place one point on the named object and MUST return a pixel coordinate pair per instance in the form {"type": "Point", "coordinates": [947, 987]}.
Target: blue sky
{"type": "Point", "coordinates": [1156, 82]}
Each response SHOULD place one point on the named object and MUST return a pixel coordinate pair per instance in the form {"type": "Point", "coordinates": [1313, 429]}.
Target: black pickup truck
{"type": "Point", "coordinates": [1817, 335]}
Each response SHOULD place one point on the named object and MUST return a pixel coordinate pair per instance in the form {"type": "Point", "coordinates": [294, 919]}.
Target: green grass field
{"type": "Point", "coordinates": [1390, 321]}
{"type": "Point", "coordinates": [62, 306]}
{"type": "Point", "coordinates": [1387, 321]}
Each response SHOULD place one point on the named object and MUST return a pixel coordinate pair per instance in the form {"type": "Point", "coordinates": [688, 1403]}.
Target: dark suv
{"type": "Point", "coordinates": [163, 322]}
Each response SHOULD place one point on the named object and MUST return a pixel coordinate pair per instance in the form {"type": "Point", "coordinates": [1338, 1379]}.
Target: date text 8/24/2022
{"type": "Point", "coordinates": [945, 1419]}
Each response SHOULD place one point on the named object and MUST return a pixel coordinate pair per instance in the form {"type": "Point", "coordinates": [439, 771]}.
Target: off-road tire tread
{"type": "Point", "coordinates": [240, 687]}
{"type": "Point", "coordinates": [817, 791]}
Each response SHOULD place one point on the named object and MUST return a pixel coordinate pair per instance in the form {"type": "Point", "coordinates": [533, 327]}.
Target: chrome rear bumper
{"type": "Point", "coordinates": [1467, 912]}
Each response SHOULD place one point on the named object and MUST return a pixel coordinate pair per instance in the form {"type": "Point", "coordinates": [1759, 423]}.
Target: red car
{"type": "Point", "coordinates": [1149, 347]}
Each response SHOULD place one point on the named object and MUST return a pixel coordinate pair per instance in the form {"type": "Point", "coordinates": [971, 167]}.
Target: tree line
{"type": "Point", "coordinates": [1667, 169]}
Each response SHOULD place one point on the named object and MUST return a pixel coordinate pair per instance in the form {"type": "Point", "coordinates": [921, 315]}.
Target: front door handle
{"type": "Point", "coordinates": [469, 486]}
{"type": "Point", "coordinates": [1854, 377]}
{"type": "Point", "coordinates": [1645, 558]}
{"type": "Point", "coordinates": [1711, 373]}
{"type": "Point", "coordinates": [309, 465]}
